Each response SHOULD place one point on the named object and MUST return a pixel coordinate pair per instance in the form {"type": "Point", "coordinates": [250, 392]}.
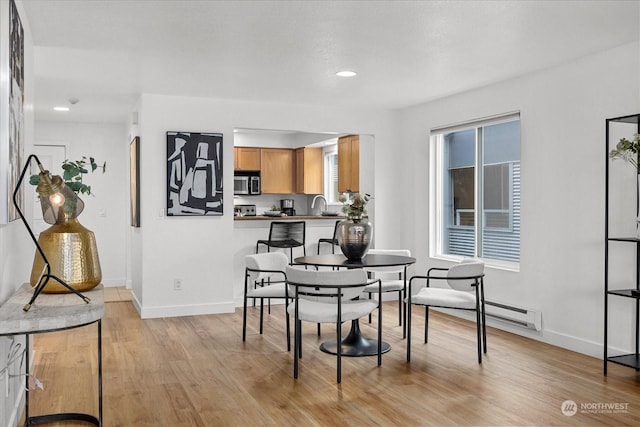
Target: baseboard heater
{"type": "Point", "coordinates": [524, 317]}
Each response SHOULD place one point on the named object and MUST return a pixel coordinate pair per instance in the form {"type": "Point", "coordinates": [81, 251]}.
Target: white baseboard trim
{"type": "Point", "coordinates": [182, 310]}
{"type": "Point", "coordinates": [136, 304]}
{"type": "Point", "coordinates": [109, 283]}
{"type": "Point", "coordinates": [568, 342]}
{"type": "Point", "coordinates": [579, 345]}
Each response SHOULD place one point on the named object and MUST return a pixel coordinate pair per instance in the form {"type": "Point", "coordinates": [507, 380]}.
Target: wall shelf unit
{"type": "Point", "coordinates": [631, 289]}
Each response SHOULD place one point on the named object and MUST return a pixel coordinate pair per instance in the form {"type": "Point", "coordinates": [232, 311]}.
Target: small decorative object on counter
{"type": "Point", "coordinates": [274, 211]}
{"type": "Point", "coordinates": [629, 150]}
{"type": "Point", "coordinates": [355, 232]}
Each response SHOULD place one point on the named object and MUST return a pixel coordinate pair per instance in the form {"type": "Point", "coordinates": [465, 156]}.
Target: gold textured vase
{"type": "Point", "coordinates": [73, 256]}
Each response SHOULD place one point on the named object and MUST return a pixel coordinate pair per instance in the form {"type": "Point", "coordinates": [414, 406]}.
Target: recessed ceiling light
{"type": "Point", "coordinates": [346, 73]}
{"type": "Point", "coordinates": [61, 108]}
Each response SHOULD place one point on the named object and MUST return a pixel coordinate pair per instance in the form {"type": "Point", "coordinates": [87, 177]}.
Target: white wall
{"type": "Point", "coordinates": [106, 213]}
{"type": "Point", "coordinates": [562, 116]}
{"type": "Point", "coordinates": [16, 248]}
{"type": "Point", "coordinates": [104, 142]}
{"type": "Point", "coordinates": [197, 250]}
{"type": "Point", "coordinates": [563, 112]}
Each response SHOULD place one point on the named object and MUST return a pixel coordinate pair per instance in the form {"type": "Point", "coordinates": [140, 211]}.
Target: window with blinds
{"type": "Point", "coordinates": [476, 171]}
{"type": "Point", "coordinates": [331, 174]}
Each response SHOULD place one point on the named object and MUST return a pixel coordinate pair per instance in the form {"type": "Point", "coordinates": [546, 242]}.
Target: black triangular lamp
{"type": "Point", "coordinates": [59, 203]}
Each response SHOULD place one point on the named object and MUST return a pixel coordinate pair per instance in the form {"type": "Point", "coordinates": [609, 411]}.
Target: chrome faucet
{"type": "Point", "coordinates": [319, 196]}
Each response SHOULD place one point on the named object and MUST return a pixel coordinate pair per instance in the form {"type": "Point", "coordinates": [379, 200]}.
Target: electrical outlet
{"type": "Point", "coordinates": [177, 284]}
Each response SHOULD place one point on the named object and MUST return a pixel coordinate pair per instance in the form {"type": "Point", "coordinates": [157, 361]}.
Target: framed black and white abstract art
{"type": "Point", "coordinates": [194, 173]}
{"type": "Point", "coordinates": [11, 107]}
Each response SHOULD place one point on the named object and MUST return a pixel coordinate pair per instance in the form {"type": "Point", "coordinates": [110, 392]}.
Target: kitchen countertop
{"type": "Point", "coordinates": [284, 218]}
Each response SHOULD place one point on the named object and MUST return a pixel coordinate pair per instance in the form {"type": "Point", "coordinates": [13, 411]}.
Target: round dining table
{"type": "Point", "coordinates": [355, 344]}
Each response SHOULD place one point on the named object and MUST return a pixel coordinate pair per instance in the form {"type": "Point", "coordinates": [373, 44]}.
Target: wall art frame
{"type": "Point", "coordinates": [194, 174]}
{"type": "Point", "coordinates": [134, 180]}
{"type": "Point", "coordinates": [11, 108]}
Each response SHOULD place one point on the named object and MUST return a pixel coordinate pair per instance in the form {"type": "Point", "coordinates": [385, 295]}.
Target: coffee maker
{"type": "Point", "coordinates": [286, 207]}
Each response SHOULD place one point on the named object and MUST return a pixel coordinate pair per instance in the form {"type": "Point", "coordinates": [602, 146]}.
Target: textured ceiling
{"type": "Point", "coordinates": [105, 53]}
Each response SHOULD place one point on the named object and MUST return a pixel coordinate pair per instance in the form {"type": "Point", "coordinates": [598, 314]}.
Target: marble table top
{"type": "Point", "coordinates": [49, 311]}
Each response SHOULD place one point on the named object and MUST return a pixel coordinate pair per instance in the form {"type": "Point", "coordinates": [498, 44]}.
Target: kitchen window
{"type": "Point", "coordinates": [330, 156]}
{"type": "Point", "coordinates": [475, 190]}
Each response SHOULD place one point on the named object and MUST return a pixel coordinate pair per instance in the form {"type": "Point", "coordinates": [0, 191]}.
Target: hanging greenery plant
{"type": "Point", "coordinates": [73, 171]}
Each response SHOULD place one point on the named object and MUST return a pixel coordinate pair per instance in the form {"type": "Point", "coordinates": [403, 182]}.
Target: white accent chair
{"type": "Point", "coordinates": [394, 279]}
{"type": "Point", "coordinates": [265, 277]}
{"type": "Point", "coordinates": [329, 297]}
{"type": "Point", "coordinates": [465, 292]}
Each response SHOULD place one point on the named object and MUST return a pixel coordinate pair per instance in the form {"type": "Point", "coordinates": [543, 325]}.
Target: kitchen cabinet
{"type": "Point", "coordinates": [349, 163]}
{"type": "Point", "coordinates": [246, 158]}
{"type": "Point", "coordinates": [276, 170]}
{"type": "Point", "coordinates": [308, 170]}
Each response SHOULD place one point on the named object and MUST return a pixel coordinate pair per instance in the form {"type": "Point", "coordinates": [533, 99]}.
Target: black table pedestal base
{"type": "Point", "coordinates": [355, 345]}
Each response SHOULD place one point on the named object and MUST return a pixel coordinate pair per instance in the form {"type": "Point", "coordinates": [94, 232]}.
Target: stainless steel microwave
{"type": "Point", "coordinates": [246, 183]}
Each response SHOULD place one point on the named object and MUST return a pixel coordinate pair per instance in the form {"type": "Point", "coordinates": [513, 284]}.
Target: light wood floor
{"type": "Point", "coordinates": [116, 293]}
{"type": "Point", "coordinates": [196, 371]}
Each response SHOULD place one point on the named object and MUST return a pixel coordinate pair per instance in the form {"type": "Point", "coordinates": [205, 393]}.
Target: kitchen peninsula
{"type": "Point", "coordinates": [247, 230]}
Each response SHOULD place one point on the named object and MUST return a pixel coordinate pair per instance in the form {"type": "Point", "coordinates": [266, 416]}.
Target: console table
{"type": "Point", "coordinates": [49, 313]}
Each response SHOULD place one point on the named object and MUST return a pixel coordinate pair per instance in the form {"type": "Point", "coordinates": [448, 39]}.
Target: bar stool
{"type": "Point", "coordinates": [333, 241]}
{"type": "Point", "coordinates": [285, 235]}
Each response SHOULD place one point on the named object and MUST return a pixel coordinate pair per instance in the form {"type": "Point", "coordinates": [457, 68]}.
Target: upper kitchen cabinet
{"type": "Point", "coordinates": [276, 170]}
{"type": "Point", "coordinates": [308, 170]}
{"type": "Point", "coordinates": [349, 163]}
{"type": "Point", "coordinates": [246, 158]}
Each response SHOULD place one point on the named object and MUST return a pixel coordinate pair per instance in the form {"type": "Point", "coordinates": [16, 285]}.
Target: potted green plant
{"type": "Point", "coordinates": [73, 172]}
{"type": "Point", "coordinates": [629, 150]}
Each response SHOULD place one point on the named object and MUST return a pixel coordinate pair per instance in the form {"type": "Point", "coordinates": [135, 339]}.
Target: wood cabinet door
{"type": "Point", "coordinates": [276, 170]}
{"type": "Point", "coordinates": [247, 158]}
{"type": "Point", "coordinates": [308, 170]}
{"type": "Point", "coordinates": [349, 163]}
{"type": "Point", "coordinates": [355, 163]}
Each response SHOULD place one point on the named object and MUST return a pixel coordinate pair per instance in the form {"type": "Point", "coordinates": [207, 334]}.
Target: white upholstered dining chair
{"type": "Point", "coordinates": [465, 291]}
{"type": "Point", "coordinates": [265, 277]}
{"type": "Point", "coordinates": [394, 279]}
{"type": "Point", "coordinates": [329, 297]}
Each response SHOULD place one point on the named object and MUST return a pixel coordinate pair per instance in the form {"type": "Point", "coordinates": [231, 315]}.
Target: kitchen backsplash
{"type": "Point", "coordinates": [264, 202]}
